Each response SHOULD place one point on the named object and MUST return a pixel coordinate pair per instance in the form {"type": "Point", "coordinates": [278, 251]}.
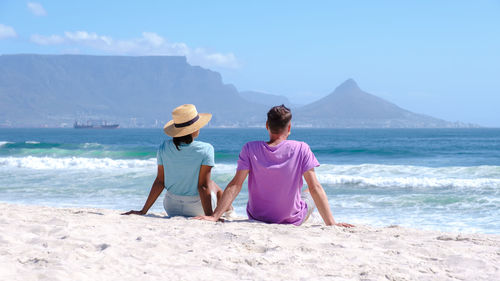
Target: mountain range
{"type": "Point", "coordinates": [57, 90]}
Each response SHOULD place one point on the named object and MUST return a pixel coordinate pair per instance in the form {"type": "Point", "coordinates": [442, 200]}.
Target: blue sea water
{"type": "Point", "coordinates": [441, 179]}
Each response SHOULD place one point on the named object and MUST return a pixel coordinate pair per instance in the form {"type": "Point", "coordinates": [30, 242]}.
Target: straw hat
{"type": "Point", "coordinates": [186, 120]}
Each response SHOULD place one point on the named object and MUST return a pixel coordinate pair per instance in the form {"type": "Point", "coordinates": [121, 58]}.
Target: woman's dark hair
{"type": "Point", "coordinates": [187, 139]}
{"type": "Point", "coordinates": [278, 118]}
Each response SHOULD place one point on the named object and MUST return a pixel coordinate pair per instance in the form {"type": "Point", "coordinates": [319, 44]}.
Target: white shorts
{"type": "Point", "coordinates": [306, 196]}
{"type": "Point", "coordinates": [187, 206]}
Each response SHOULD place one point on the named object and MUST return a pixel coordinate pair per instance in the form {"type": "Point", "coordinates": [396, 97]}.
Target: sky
{"type": "Point", "coordinates": [440, 58]}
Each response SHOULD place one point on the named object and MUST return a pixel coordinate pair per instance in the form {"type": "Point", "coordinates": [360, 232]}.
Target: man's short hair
{"type": "Point", "coordinates": [278, 118]}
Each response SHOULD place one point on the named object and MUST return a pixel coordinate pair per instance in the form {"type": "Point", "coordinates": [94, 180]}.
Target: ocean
{"type": "Point", "coordinates": [437, 179]}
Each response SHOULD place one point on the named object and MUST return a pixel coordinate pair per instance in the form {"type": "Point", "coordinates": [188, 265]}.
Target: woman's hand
{"type": "Point", "coordinates": [132, 212]}
{"type": "Point", "coordinates": [156, 189]}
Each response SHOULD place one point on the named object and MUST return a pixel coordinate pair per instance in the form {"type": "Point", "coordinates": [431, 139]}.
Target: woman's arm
{"type": "Point", "coordinates": [156, 190]}
{"type": "Point", "coordinates": [204, 189]}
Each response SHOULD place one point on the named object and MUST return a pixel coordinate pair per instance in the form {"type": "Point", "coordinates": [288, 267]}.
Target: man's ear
{"type": "Point", "coordinates": [267, 125]}
{"type": "Point", "coordinates": [289, 126]}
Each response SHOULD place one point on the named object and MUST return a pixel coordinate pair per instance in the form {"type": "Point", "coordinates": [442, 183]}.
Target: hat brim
{"type": "Point", "coordinates": [172, 131]}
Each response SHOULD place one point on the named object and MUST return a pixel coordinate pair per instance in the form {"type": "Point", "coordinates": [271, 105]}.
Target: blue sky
{"type": "Point", "coordinates": [440, 58]}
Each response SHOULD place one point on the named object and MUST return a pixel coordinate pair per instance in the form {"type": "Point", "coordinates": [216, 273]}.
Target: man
{"type": "Point", "coordinates": [275, 169]}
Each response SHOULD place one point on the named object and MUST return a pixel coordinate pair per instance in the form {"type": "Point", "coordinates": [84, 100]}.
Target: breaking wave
{"type": "Point", "coordinates": [72, 163]}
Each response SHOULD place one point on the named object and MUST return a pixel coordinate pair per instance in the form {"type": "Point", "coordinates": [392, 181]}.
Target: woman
{"type": "Point", "coordinates": [184, 167]}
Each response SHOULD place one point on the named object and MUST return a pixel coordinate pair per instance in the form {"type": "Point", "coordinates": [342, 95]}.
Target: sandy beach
{"type": "Point", "coordinates": [44, 243]}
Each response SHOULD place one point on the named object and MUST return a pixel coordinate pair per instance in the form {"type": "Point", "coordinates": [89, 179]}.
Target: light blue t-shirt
{"type": "Point", "coordinates": [182, 168]}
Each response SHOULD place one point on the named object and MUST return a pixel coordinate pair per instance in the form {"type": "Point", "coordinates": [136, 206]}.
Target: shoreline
{"type": "Point", "coordinates": [157, 210]}
{"type": "Point", "coordinates": [48, 243]}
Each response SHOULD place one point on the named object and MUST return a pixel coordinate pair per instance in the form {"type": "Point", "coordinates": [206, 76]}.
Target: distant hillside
{"type": "Point", "coordinates": [56, 90]}
{"type": "Point", "coordinates": [268, 100]}
{"type": "Point", "coordinates": [350, 107]}
{"type": "Point", "coordinates": [50, 90]}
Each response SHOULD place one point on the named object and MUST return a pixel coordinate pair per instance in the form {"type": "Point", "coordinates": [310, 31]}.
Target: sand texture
{"type": "Point", "coordinates": [43, 243]}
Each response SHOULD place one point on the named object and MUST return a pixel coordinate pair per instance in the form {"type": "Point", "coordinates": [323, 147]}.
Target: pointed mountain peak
{"type": "Point", "coordinates": [348, 85]}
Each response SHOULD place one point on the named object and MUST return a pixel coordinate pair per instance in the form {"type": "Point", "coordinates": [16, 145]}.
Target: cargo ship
{"type": "Point", "coordinates": [90, 125]}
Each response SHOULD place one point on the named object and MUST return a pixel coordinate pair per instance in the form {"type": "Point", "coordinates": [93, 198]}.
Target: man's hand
{"type": "Point", "coordinates": [343, 224]}
{"type": "Point", "coordinates": [231, 191]}
{"type": "Point", "coordinates": [207, 218]}
{"type": "Point", "coordinates": [132, 212]}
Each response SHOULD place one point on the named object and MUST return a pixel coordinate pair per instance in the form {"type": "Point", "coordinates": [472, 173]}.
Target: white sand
{"type": "Point", "coordinates": [42, 243]}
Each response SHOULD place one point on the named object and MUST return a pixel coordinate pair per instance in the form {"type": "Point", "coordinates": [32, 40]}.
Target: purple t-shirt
{"type": "Point", "coordinates": [275, 180]}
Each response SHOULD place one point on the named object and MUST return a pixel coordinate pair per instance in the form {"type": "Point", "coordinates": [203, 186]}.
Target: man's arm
{"type": "Point", "coordinates": [204, 190]}
{"type": "Point", "coordinates": [232, 190]}
{"type": "Point", "coordinates": [156, 190]}
{"type": "Point", "coordinates": [320, 199]}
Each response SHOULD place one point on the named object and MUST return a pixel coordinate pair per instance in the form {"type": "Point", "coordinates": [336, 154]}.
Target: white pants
{"type": "Point", "coordinates": [187, 206]}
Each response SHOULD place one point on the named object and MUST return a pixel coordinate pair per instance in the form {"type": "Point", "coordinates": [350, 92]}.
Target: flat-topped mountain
{"type": "Point", "coordinates": [133, 91]}
{"type": "Point", "coordinates": [56, 90]}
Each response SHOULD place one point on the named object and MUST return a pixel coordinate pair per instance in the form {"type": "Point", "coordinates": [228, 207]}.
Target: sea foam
{"type": "Point", "coordinates": [399, 176]}
{"type": "Point", "coordinates": [408, 182]}
{"type": "Point", "coordinates": [72, 163]}
{"type": "Point", "coordinates": [3, 143]}
{"type": "Point", "coordinates": [365, 175]}
{"type": "Point", "coordinates": [407, 176]}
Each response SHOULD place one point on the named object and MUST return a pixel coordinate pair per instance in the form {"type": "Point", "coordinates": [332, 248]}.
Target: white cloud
{"type": "Point", "coordinates": [229, 60]}
{"type": "Point", "coordinates": [47, 40]}
{"type": "Point", "coordinates": [7, 31]}
{"type": "Point", "coordinates": [149, 44]}
{"type": "Point", "coordinates": [153, 38]}
{"type": "Point", "coordinates": [36, 9]}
